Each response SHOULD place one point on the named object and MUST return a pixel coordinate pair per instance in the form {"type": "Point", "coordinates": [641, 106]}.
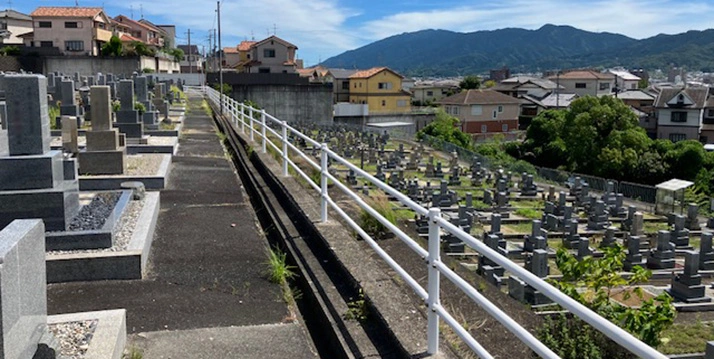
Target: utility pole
{"type": "Point", "coordinates": [208, 55]}
{"type": "Point", "coordinates": [220, 55]}
{"type": "Point", "coordinates": [215, 42]}
{"type": "Point", "coordinates": [190, 69]}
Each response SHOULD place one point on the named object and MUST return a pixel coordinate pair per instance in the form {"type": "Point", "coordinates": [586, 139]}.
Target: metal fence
{"type": "Point", "coordinates": [258, 131]}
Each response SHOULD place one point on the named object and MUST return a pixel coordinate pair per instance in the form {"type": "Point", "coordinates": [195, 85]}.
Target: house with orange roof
{"type": "Point", "coordinates": [73, 30]}
{"type": "Point", "coordinates": [146, 33]}
{"type": "Point", "coordinates": [271, 55]}
{"type": "Point", "coordinates": [483, 111]}
{"type": "Point", "coordinates": [380, 88]}
{"type": "Point", "coordinates": [585, 82]}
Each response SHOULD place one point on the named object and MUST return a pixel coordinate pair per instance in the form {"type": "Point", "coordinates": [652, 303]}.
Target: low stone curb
{"type": "Point", "coordinates": [109, 337]}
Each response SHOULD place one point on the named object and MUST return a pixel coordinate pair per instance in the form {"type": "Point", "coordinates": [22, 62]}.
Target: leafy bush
{"type": "Point", "coordinates": [445, 127]}
{"type": "Point", "coordinates": [139, 107]}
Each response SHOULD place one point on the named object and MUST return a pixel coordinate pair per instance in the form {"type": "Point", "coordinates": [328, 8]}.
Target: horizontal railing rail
{"type": "Point", "coordinates": [257, 122]}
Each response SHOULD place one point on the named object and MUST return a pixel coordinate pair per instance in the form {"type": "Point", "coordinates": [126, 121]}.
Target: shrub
{"type": "Point", "coordinates": [370, 224]}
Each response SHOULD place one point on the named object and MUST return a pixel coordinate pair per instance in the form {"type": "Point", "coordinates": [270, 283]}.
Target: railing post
{"type": "Point", "coordinates": [250, 113]}
{"type": "Point", "coordinates": [241, 116]}
{"type": "Point", "coordinates": [323, 183]}
{"type": "Point", "coordinates": [262, 131]}
{"type": "Point", "coordinates": [285, 148]}
{"type": "Point", "coordinates": [432, 335]}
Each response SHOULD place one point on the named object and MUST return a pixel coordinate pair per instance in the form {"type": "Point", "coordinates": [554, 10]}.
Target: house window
{"type": "Point", "coordinates": [268, 52]}
{"type": "Point", "coordinates": [71, 25]}
{"type": "Point", "coordinates": [384, 103]}
{"type": "Point", "coordinates": [679, 116]}
{"type": "Point", "coordinates": [500, 109]}
{"type": "Point", "coordinates": [484, 128]}
{"type": "Point", "coordinates": [504, 127]}
{"type": "Point", "coordinates": [710, 112]}
{"type": "Point", "coordinates": [247, 56]}
{"type": "Point", "coordinates": [401, 103]}
{"type": "Point", "coordinates": [355, 85]}
{"type": "Point", "coordinates": [580, 85]}
{"type": "Point", "coordinates": [45, 24]}
{"type": "Point", "coordinates": [476, 110]}
{"type": "Point", "coordinates": [3, 26]}
{"type": "Point", "coordinates": [385, 85]}
{"type": "Point", "coordinates": [675, 137]}
{"type": "Point", "coordinates": [264, 70]}
{"type": "Point", "coordinates": [454, 110]}
{"type": "Point", "coordinates": [46, 44]}
{"type": "Point", "coordinates": [345, 85]}
{"type": "Point", "coordinates": [74, 45]}
{"type": "Point", "coordinates": [604, 86]}
{"type": "Point", "coordinates": [430, 93]}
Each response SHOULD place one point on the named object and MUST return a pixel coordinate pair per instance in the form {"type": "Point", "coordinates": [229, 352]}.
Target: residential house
{"type": "Point", "coordinates": [192, 59]}
{"type": "Point", "coordinates": [625, 81]}
{"type": "Point", "coordinates": [642, 104]}
{"type": "Point", "coordinates": [428, 92]}
{"type": "Point", "coordinates": [340, 84]}
{"type": "Point", "coordinates": [244, 54]}
{"type": "Point", "coordinates": [166, 32]}
{"type": "Point", "coordinates": [526, 85]}
{"type": "Point", "coordinates": [483, 111]}
{"type": "Point", "coordinates": [381, 89]}
{"type": "Point", "coordinates": [707, 133]}
{"type": "Point", "coordinates": [148, 34]}
{"type": "Point", "coordinates": [317, 74]}
{"type": "Point", "coordinates": [272, 55]}
{"type": "Point", "coordinates": [12, 24]}
{"type": "Point", "coordinates": [231, 57]}
{"type": "Point", "coordinates": [499, 74]}
{"type": "Point", "coordinates": [73, 30]}
{"type": "Point", "coordinates": [585, 82]}
{"type": "Point", "coordinates": [680, 112]}
{"type": "Point", "coordinates": [531, 106]}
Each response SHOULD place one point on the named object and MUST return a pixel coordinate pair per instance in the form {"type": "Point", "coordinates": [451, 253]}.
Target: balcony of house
{"type": "Point", "coordinates": [102, 35]}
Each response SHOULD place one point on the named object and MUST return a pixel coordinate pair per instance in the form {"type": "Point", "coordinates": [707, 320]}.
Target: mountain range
{"type": "Point", "coordinates": [448, 53]}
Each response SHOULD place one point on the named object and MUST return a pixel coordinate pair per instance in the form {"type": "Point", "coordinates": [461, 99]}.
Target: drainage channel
{"type": "Point", "coordinates": [286, 228]}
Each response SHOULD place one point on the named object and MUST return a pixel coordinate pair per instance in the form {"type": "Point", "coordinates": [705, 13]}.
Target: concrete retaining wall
{"type": "Point", "coordinates": [290, 103]}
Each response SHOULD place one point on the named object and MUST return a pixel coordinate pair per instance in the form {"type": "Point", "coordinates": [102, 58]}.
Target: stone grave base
{"type": "Point", "coordinates": [102, 162]}
{"type": "Point", "coordinates": [113, 182]}
{"type": "Point", "coordinates": [127, 264]}
{"type": "Point", "coordinates": [91, 239]}
{"type": "Point", "coordinates": [55, 206]}
{"type": "Point", "coordinates": [109, 337]}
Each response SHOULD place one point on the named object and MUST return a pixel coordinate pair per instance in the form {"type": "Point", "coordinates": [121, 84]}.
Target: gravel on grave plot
{"type": "Point", "coordinates": [93, 215]}
{"type": "Point", "coordinates": [74, 337]}
{"type": "Point", "coordinates": [146, 164]}
{"type": "Point", "coordinates": [125, 229]}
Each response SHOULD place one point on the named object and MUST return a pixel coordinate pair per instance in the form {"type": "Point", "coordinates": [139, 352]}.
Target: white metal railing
{"type": "Point", "coordinates": [256, 122]}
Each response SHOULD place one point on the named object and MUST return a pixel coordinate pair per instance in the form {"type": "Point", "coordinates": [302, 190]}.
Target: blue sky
{"type": "Point", "coordinates": [325, 28]}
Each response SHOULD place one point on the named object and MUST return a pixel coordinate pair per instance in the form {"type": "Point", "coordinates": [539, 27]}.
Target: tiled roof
{"type": "Point", "coordinates": [275, 38]}
{"type": "Point", "coordinates": [230, 50]}
{"type": "Point", "coordinates": [245, 45]}
{"type": "Point", "coordinates": [52, 11]}
{"type": "Point", "coordinates": [698, 95]}
{"type": "Point", "coordinates": [127, 21]}
{"type": "Point", "coordinates": [129, 38]}
{"type": "Point", "coordinates": [479, 97]}
{"type": "Point", "coordinates": [12, 14]}
{"type": "Point", "coordinates": [341, 73]}
{"type": "Point", "coordinates": [365, 74]}
{"type": "Point", "coordinates": [584, 75]}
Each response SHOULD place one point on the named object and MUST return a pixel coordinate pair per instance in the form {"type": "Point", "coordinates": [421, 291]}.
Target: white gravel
{"type": "Point", "coordinates": [74, 337]}
{"type": "Point", "coordinates": [125, 229]}
{"type": "Point", "coordinates": [162, 141]}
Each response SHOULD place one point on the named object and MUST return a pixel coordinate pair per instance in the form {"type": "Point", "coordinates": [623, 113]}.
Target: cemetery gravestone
{"type": "Point", "coordinates": [688, 286]}
{"type": "Point", "coordinates": [105, 153]}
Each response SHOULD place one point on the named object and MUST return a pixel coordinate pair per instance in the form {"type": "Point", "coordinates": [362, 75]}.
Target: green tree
{"type": "Point", "coordinates": [445, 127]}
{"type": "Point", "coordinates": [470, 82]}
{"type": "Point", "coordinates": [140, 49]}
{"type": "Point", "coordinates": [643, 84]}
{"type": "Point", "coordinates": [593, 283]}
{"type": "Point", "coordinates": [177, 54]}
{"type": "Point", "coordinates": [489, 83]}
{"type": "Point", "coordinates": [113, 48]}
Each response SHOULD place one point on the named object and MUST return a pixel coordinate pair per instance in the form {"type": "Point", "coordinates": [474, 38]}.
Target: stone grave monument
{"type": "Point", "coordinates": [128, 121]}
{"type": "Point", "coordinates": [106, 152]}
{"type": "Point", "coordinates": [706, 253]}
{"type": "Point", "coordinates": [688, 286]}
{"type": "Point", "coordinates": [662, 257]}
{"type": "Point", "coordinates": [692, 220]}
{"type": "Point", "coordinates": [150, 115]}
{"type": "Point", "coordinates": [34, 183]}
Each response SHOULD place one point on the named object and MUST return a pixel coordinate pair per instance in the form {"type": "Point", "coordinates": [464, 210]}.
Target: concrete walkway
{"type": "Point", "coordinates": [207, 268]}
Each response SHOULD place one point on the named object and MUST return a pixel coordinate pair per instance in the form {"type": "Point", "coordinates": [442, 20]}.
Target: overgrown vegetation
{"type": "Point", "coordinates": [445, 128]}
{"type": "Point", "coordinates": [134, 353]}
{"type": "Point", "coordinates": [357, 308]}
{"type": "Point", "coordinates": [113, 48]}
{"type": "Point", "coordinates": [686, 338]}
{"type": "Point", "coordinates": [279, 271]}
{"type": "Point", "coordinates": [226, 89]}
{"type": "Point", "coordinates": [593, 283]}
{"type": "Point", "coordinates": [10, 51]}
{"type": "Point", "coordinates": [53, 112]}
{"type": "Point", "coordinates": [370, 224]}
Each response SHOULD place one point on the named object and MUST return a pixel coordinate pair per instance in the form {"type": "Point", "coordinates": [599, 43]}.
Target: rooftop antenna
{"type": "Point", "coordinates": [76, 3]}
{"type": "Point", "coordinates": [252, 36]}
{"type": "Point", "coordinates": [9, 4]}
{"type": "Point", "coordinates": [131, 11]}
{"type": "Point", "coordinates": [275, 29]}
{"type": "Point", "coordinates": [141, 10]}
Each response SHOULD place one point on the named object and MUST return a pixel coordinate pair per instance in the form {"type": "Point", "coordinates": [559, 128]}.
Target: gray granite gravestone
{"type": "Point", "coordinates": [33, 177]}
{"type": "Point", "coordinates": [150, 115]}
{"type": "Point", "coordinates": [105, 153]}
{"type": "Point", "coordinates": [706, 252]}
{"type": "Point", "coordinates": [662, 257]}
{"type": "Point", "coordinates": [23, 292]}
{"type": "Point", "coordinates": [69, 135]}
{"type": "Point", "coordinates": [127, 117]}
{"type": "Point", "coordinates": [688, 286]}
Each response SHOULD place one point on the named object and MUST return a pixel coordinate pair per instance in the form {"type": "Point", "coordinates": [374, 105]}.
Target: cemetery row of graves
{"type": "Point", "coordinates": [90, 182]}
{"type": "Point", "coordinates": [528, 222]}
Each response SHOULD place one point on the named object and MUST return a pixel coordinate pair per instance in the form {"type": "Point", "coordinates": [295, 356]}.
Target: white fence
{"type": "Point", "coordinates": [258, 124]}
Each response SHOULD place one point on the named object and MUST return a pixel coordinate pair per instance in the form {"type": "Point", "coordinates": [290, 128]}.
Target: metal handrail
{"type": "Point", "coordinates": [432, 256]}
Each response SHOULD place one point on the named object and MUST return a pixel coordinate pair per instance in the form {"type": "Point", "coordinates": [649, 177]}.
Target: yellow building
{"type": "Point", "coordinates": [381, 89]}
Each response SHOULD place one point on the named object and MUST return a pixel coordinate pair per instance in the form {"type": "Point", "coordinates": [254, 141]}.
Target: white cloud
{"type": "Point", "coordinates": [634, 18]}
